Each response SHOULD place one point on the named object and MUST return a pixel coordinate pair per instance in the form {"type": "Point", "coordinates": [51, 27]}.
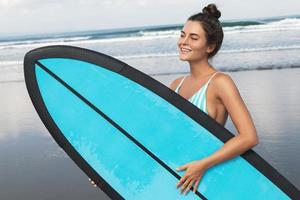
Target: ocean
{"type": "Point", "coordinates": [247, 45]}
{"type": "Point", "coordinates": [261, 56]}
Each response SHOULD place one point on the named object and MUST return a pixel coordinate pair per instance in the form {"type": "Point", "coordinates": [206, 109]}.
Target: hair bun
{"type": "Point", "coordinates": [212, 11]}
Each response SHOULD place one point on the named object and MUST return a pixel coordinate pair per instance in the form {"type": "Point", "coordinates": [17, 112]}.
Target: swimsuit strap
{"type": "Point", "coordinates": [181, 83]}
{"type": "Point", "coordinates": [202, 98]}
{"type": "Point", "coordinates": [178, 87]}
{"type": "Point", "coordinates": [210, 78]}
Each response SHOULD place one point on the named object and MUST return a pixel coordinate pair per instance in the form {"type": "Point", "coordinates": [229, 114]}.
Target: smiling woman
{"type": "Point", "coordinates": [200, 39]}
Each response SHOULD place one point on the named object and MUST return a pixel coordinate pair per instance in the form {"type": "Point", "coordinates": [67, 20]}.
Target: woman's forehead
{"type": "Point", "coordinates": [193, 27]}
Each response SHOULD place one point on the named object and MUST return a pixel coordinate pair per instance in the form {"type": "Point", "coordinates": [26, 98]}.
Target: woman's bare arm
{"type": "Point", "coordinates": [246, 137]}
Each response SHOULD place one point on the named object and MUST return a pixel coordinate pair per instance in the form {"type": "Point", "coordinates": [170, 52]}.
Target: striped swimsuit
{"type": "Point", "coordinates": [199, 98]}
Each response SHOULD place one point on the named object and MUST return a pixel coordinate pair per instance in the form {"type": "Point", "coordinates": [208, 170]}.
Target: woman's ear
{"type": "Point", "coordinates": [210, 48]}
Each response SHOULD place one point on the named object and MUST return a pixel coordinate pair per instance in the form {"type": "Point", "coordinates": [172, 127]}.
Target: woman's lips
{"type": "Point", "coordinates": [185, 50]}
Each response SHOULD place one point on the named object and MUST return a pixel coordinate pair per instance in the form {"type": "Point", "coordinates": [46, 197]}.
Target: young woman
{"type": "Point", "coordinates": [211, 91]}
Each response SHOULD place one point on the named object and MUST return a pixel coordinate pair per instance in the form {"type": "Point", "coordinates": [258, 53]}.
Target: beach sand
{"type": "Point", "coordinates": [34, 167]}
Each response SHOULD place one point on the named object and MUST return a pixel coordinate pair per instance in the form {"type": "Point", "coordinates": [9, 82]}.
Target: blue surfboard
{"type": "Point", "coordinates": [128, 132]}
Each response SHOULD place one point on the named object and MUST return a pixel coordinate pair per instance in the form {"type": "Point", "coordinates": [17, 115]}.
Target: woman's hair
{"type": "Point", "coordinates": [208, 18]}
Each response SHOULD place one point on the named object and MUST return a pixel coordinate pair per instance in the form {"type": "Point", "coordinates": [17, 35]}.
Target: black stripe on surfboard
{"type": "Point", "coordinates": [124, 132]}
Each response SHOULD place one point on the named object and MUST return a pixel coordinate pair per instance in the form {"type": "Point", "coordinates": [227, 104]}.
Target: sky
{"type": "Point", "coordinates": [23, 17]}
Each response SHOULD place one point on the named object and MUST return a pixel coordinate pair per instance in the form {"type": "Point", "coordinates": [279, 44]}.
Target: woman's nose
{"type": "Point", "coordinates": [184, 40]}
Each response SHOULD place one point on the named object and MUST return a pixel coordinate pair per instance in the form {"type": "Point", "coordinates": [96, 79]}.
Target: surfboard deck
{"type": "Point", "coordinates": [128, 132]}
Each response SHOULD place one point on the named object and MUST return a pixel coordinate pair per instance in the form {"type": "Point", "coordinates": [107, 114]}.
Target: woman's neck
{"type": "Point", "coordinates": [200, 69]}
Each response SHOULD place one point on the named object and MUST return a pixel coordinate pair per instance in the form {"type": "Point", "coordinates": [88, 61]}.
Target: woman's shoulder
{"type": "Point", "coordinates": [224, 84]}
{"type": "Point", "coordinates": [222, 77]}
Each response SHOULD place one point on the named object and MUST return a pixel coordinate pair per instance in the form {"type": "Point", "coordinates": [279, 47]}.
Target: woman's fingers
{"type": "Point", "coordinates": [92, 182]}
{"type": "Point", "coordinates": [196, 185]}
{"type": "Point", "coordinates": [189, 187]}
{"type": "Point", "coordinates": [185, 184]}
{"type": "Point", "coordinates": [181, 181]}
{"type": "Point", "coordinates": [183, 167]}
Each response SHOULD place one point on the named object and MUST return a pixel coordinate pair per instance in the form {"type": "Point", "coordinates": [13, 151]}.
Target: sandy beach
{"type": "Point", "coordinates": [34, 167]}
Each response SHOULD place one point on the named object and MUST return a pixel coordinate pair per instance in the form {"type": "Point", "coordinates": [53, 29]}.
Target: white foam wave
{"type": "Point", "coordinates": [282, 25]}
{"type": "Point", "coordinates": [79, 42]}
{"type": "Point", "coordinates": [11, 62]}
{"type": "Point", "coordinates": [154, 55]}
{"type": "Point", "coordinates": [261, 49]}
{"type": "Point", "coordinates": [158, 33]}
{"type": "Point", "coordinates": [36, 43]}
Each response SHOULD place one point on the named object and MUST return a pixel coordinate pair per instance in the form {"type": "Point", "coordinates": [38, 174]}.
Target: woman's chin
{"type": "Point", "coordinates": [183, 58]}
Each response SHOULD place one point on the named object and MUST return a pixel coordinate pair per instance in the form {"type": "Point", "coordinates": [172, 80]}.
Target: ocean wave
{"type": "Point", "coordinates": [161, 33]}
{"type": "Point", "coordinates": [39, 42]}
{"type": "Point", "coordinates": [10, 62]}
{"type": "Point", "coordinates": [153, 55]}
{"type": "Point", "coordinates": [140, 35]}
{"type": "Point", "coordinates": [82, 42]}
{"type": "Point", "coordinates": [274, 48]}
{"type": "Point", "coordinates": [238, 27]}
{"type": "Point", "coordinates": [282, 25]}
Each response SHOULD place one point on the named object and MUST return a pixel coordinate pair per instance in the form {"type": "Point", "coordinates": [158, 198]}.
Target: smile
{"type": "Point", "coordinates": [185, 50]}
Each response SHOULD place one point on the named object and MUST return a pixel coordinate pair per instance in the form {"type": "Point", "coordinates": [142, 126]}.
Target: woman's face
{"type": "Point", "coordinates": [192, 42]}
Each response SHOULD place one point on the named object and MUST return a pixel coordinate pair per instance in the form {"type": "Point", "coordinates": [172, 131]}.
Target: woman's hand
{"type": "Point", "coordinates": [193, 175]}
{"type": "Point", "coordinates": [92, 182]}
